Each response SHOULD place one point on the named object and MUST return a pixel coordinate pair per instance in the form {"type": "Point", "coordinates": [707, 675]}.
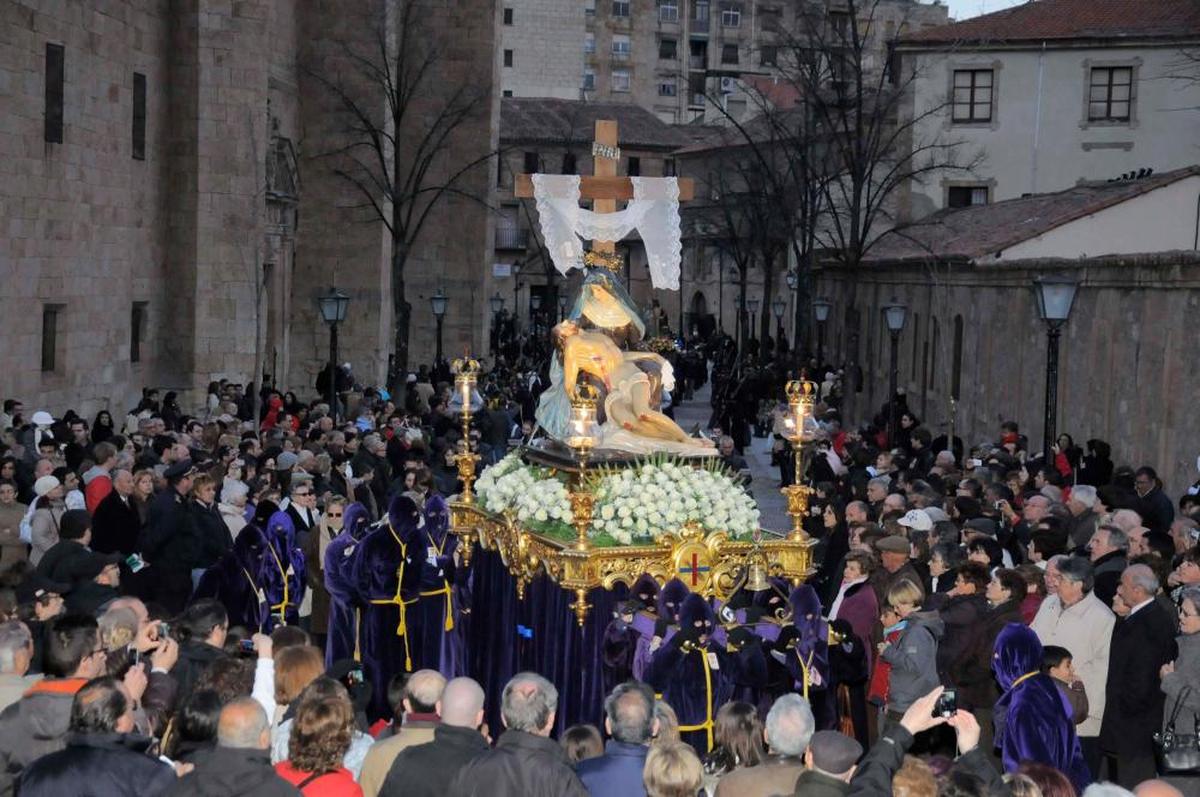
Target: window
{"type": "Point", "coordinates": [532, 163]}
{"type": "Point", "coordinates": [506, 93]}
{"type": "Point", "coordinates": [839, 22]}
{"type": "Point", "coordinates": [635, 167]}
{"type": "Point", "coordinates": [589, 8]}
{"type": "Point", "coordinates": [508, 57]}
{"type": "Point", "coordinates": [569, 165]}
{"type": "Point", "coordinates": [964, 196]}
{"type": "Point", "coordinates": [620, 81]}
{"type": "Point", "coordinates": [620, 8]}
{"type": "Point", "coordinates": [700, 12]}
{"type": "Point", "coordinates": [668, 49]}
{"type": "Point", "coordinates": [667, 89]}
{"type": "Point", "coordinates": [1110, 94]}
{"type": "Point", "coordinates": [589, 43]}
{"type": "Point", "coordinates": [768, 55]}
{"type": "Point", "coordinates": [55, 75]}
{"type": "Point", "coordinates": [137, 328]}
{"type": "Point", "coordinates": [620, 48]}
{"type": "Point", "coordinates": [50, 313]}
{"type": "Point", "coordinates": [589, 80]}
{"type": "Point", "coordinates": [731, 15]}
{"type": "Point", "coordinates": [139, 116]}
{"type": "Point", "coordinates": [508, 16]}
{"type": "Point", "coordinates": [668, 10]}
{"type": "Point", "coordinates": [669, 167]}
{"type": "Point", "coordinates": [729, 54]}
{"type": "Point", "coordinates": [972, 101]}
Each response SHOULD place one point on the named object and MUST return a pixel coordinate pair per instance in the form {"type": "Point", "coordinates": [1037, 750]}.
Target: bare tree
{"type": "Point", "coordinates": [399, 158]}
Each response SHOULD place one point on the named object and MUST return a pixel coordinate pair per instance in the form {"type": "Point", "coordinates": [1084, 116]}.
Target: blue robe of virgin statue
{"type": "Point", "coordinates": [386, 575]}
{"type": "Point", "coordinates": [345, 612]}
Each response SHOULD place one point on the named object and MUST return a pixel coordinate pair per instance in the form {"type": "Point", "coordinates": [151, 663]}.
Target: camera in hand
{"type": "Point", "coordinates": [947, 704]}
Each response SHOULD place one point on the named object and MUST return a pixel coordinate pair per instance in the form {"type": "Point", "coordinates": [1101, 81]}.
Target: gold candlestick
{"type": "Point", "coordinates": [466, 371]}
{"type": "Point", "coordinates": [801, 396]}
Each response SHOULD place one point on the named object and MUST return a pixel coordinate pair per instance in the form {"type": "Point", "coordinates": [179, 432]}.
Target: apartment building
{"type": "Point", "coordinates": [686, 61]}
{"type": "Point", "coordinates": [1055, 93]}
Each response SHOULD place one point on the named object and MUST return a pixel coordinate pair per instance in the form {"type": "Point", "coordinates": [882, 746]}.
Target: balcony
{"type": "Point", "coordinates": [698, 62]}
{"type": "Point", "coordinates": [513, 238]}
{"type": "Point", "coordinates": [696, 100]}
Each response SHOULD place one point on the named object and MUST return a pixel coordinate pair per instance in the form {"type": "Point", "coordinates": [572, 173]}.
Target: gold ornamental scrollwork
{"type": "Point", "coordinates": [710, 563]}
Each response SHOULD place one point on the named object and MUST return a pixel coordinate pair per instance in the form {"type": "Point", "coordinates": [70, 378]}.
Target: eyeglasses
{"type": "Point", "coordinates": [334, 514]}
{"type": "Point", "coordinates": [301, 493]}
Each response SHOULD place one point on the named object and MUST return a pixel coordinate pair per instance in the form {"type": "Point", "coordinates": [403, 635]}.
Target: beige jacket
{"type": "Point", "coordinates": [381, 755]}
{"type": "Point", "coordinates": [1084, 629]}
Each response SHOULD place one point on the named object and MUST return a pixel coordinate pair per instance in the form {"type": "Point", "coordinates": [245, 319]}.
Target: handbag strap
{"type": "Point", "coordinates": [1178, 705]}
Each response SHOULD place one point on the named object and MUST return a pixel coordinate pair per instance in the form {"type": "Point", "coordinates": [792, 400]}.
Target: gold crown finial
{"type": "Point", "coordinates": [465, 366]}
{"type": "Point", "coordinates": [801, 391]}
{"type": "Point", "coordinates": [611, 261]}
{"type": "Point", "coordinates": [586, 395]}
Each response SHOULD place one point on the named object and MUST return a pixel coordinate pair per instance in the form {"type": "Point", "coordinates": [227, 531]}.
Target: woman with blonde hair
{"type": "Point", "coordinates": [668, 724]}
{"type": "Point", "coordinates": [672, 770]}
{"type": "Point", "coordinates": [318, 740]}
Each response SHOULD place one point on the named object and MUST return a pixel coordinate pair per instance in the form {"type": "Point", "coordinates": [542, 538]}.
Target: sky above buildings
{"type": "Point", "coordinates": [962, 9]}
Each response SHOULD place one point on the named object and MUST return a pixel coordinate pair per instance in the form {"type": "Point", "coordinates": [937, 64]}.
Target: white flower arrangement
{"type": "Point", "coordinates": [634, 505]}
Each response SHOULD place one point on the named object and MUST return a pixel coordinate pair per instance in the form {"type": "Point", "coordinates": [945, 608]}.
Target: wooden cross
{"type": "Point", "coordinates": [605, 188]}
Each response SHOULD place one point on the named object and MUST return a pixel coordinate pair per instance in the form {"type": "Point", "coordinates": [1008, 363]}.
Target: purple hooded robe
{"type": "Point", "coordinates": [282, 573]}
{"type": "Point", "coordinates": [436, 620]}
{"type": "Point", "coordinates": [345, 612]}
{"type": "Point", "coordinates": [696, 678]}
{"type": "Point", "coordinates": [1033, 718]}
{"type": "Point", "coordinates": [236, 580]}
{"type": "Point", "coordinates": [386, 574]}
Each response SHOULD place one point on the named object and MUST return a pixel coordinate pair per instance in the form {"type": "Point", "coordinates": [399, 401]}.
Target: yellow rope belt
{"type": "Point", "coordinates": [357, 623]}
{"type": "Point", "coordinates": [707, 725]}
{"type": "Point", "coordinates": [398, 601]}
{"type": "Point", "coordinates": [281, 606]}
{"type": "Point", "coordinates": [805, 666]}
{"type": "Point", "coordinates": [449, 603]}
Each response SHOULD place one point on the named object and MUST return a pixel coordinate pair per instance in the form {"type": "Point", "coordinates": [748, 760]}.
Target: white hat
{"type": "Point", "coordinates": [916, 519]}
{"type": "Point", "coordinates": [44, 485]}
{"type": "Point", "coordinates": [42, 418]}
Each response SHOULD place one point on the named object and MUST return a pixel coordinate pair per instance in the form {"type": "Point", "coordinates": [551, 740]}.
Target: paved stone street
{"type": "Point", "coordinates": [765, 484]}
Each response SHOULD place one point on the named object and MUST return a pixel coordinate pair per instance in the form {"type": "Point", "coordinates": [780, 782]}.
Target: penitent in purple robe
{"type": "Point", "coordinates": [386, 576]}
{"type": "Point", "coordinates": [282, 573]}
{"type": "Point", "coordinates": [435, 622]}
{"type": "Point", "coordinates": [236, 580]}
{"type": "Point", "coordinates": [345, 612]}
{"type": "Point", "coordinates": [697, 677]}
{"type": "Point", "coordinates": [658, 625]}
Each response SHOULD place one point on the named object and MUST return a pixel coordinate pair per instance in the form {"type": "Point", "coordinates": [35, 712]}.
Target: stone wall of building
{"type": "Point", "coordinates": [546, 40]}
{"type": "Point", "coordinates": [1127, 365]}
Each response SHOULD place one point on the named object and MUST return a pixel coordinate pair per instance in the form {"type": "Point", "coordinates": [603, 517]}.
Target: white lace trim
{"type": "Point", "coordinates": [653, 212]}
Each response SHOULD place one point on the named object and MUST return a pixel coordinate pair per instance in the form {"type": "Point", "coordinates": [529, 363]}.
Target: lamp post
{"type": "Point", "coordinates": [562, 305]}
{"type": "Point", "coordinates": [535, 304]}
{"type": "Point", "coordinates": [333, 312]}
{"type": "Point", "coordinates": [821, 307]}
{"type": "Point", "coordinates": [752, 307]}
{"type": "Point", "coordinates": [497, 304]}
{"type": "Point", "coordinates": [895, 315]}
{"type": "Point", "coordinates": [778, 307]}
{"type": "Point", "coordinates": [1055, 296]}
{"type": "Point", "coordinates": [438, 303]}
{"type": "Point", "coordinates": [516, 313]}
{"type": "Point", "coordinates": [793, 283]}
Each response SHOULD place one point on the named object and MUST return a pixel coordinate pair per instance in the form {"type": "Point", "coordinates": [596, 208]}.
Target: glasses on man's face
{"type": "Point", "coordinates": [302, 494]}
{"type": "Point", "coordinates": [334, 514]}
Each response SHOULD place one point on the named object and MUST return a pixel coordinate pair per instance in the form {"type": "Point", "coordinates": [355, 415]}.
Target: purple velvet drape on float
{"type": "Point", "coordinates": [540, 634]}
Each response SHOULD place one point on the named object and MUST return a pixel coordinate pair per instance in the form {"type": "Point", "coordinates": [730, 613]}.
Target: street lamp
{"type": "Point", "coordinates": [333, 312]}
{"type": "Point", "coordinates": [752, 306]}
{"type": "Point", "coordinates": [895, 315]}
{"type": "Point", "coordinates": [1055, 296]}
{"type": "Point", "coordinates": [778, 307]}
{"type": "Point", "coordinates": [562, 305]}
{"type": "Point", "coordinates": [438, 303]}
{"type": "Point", "coordinates": [535, 304]}
{"type": "Point", "coordinates": [497, 305]}
{"type": "Point", "coordinates": [821, 307]}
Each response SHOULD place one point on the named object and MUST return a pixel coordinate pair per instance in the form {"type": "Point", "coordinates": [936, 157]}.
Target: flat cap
{"type": "Point", "coordinates": [177, 471]}
{"type": "Point", "coordinates": [894, 544]}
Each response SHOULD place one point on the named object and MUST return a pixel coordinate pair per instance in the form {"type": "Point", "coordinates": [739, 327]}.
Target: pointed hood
{"type": "Point", "coordinates": [404, 517]}
{"type": "Point", "coordinates": [1017, 652]}
{"type": "Point", "coordinates": [645, 589]}
{"type": "Point", "coordinates": [806, 606]}
{"type": "Point", "coordinates": [670, 599]}
{"type": "Point", "coordinates": [281, 531]}
{"type": "Point", "coordinates": [263, 512]}
{"type": "Point", "coordinates": [249, 547]}
{"type": "Point", "coordinates": [355, 520]}
{"type": "Point", "coordinates": [696, 608]}
{"type": "Point", "coordinates": [437, 517]}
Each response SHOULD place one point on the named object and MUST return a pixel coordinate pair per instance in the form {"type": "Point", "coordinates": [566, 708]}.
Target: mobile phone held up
{"type": "Point", "coordinates": [947, 704]}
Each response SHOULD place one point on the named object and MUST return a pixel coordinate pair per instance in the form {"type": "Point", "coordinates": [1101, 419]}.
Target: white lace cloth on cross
{"type": "Point", "coordinates": [653, 212]}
